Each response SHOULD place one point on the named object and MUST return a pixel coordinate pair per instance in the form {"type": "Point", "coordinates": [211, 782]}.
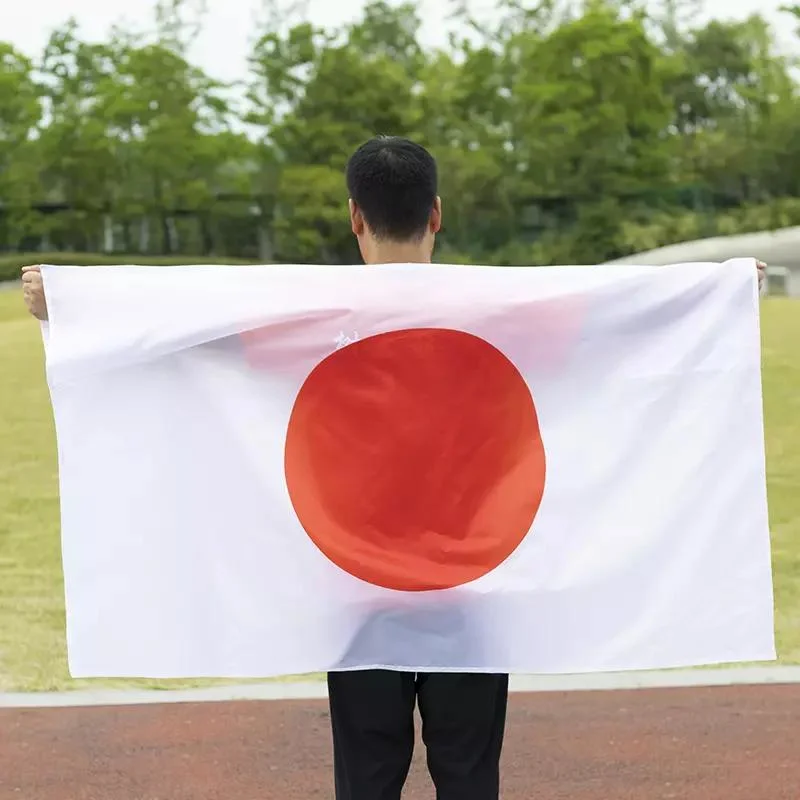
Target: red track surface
{"type": "Point", "coordinates": [740, 743]}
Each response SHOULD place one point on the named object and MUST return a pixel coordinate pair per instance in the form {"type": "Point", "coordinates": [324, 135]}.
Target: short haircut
{"type": "Point", "coordinates": [394, 183]}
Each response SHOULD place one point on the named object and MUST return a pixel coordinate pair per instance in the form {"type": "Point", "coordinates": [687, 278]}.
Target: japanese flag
{"type": "Point", "coordinates": [286, 469]}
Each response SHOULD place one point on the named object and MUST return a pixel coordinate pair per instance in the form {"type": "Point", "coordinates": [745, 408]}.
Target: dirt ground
{"type": "Point", "coordinates": [740, 743]}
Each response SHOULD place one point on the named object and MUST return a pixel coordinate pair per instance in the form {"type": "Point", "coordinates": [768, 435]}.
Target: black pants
{"type": "Point", "coordinates": [372, 716]}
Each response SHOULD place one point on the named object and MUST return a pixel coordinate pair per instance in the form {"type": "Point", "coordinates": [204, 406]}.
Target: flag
{"type": "Point", "coordinates": [288, 469]}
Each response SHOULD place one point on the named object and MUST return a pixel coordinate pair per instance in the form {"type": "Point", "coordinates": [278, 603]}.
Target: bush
{"type": "Point", "coordinates": [12, 263]}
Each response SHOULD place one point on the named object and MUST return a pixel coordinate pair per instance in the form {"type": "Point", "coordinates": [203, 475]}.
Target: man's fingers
{"type": "Point", "coordinates": [31, 268]}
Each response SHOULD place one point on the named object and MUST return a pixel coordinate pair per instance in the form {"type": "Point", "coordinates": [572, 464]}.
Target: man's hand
{"type": "Point", "coordinates": [762, 274]}
{"type": "Point", "coordinates": [33, 291]}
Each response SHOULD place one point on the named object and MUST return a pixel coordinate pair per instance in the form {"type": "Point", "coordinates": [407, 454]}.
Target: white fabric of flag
{"type": "Point", "coordinates": [287, 469]}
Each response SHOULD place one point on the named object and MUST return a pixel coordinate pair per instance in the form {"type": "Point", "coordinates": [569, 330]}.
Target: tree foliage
{"type": "Point", "coordinates": [565, 132]}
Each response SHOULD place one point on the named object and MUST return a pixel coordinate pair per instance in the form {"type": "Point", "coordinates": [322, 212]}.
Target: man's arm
{"type": "Point", "coordinates": [33, 291]}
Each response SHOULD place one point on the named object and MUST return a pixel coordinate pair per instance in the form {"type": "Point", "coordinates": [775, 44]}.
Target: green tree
{"type": "Point", "coordinates": [564, 131]}
{"type": "Point", "coordinates": [79, 165]}
{"type": "Point", "coordinates": [20, 114]}
{"type": "Point", "coordinates": [318, 95]}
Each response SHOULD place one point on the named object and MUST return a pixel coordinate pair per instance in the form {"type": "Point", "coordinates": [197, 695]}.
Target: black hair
{"type": "Point", "coordinates": [394, 182]}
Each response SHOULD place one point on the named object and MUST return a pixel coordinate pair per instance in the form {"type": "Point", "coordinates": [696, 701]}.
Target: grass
{"type": "Point", "coordinates": [32, 645]}
{"type": "Point", "coordinates": [780, 336]}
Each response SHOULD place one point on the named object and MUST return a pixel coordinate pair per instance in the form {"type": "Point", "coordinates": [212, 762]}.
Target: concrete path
{"type": "Point", "coordinates": [315, 689]}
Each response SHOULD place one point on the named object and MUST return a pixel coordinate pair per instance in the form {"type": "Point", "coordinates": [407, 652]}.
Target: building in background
{"type": "Point", "coordinates": [779, 249]}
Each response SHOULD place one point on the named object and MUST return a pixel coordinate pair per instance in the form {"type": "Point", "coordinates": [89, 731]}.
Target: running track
{"type": "Point", "coordinates": [720, 743]}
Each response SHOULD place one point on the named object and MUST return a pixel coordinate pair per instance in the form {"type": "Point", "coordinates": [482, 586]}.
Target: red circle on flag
{"type": "Point", "coordinates": [414, 459]}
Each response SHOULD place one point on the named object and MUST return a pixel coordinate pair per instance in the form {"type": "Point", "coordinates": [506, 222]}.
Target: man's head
{"type": "Point", "coordinates": [395, 210]}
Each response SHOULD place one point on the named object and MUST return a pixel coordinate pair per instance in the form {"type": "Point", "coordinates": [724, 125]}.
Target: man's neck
{"type": "Point", "coordinates": [400, 254]}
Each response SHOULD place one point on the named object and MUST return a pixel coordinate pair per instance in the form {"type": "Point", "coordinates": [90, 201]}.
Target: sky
{"type": "Point", "coordinates": [223, 46]}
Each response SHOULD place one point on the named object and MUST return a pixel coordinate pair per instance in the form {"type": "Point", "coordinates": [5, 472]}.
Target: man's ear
{"type": "Point", "coordinates": [436, 216]}
{"type": "Point", "coordinates": [356, 218]}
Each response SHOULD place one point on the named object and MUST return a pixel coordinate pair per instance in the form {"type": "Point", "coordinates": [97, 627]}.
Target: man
{"type": "Point", "coordinates": [395, 214]}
